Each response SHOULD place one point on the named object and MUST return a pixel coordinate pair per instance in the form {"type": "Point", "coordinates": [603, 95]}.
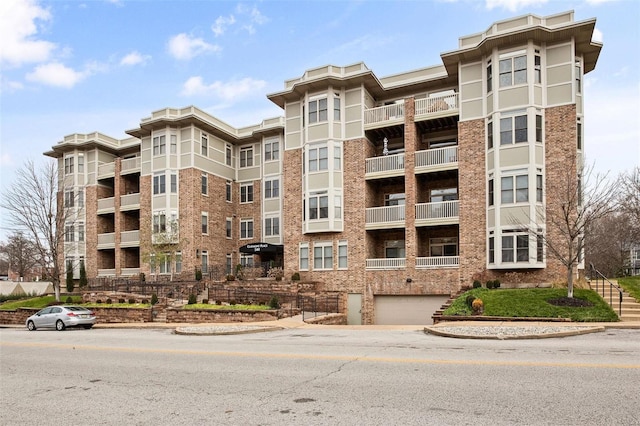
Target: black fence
{"type": "Point", "coordinates": [168, 289]}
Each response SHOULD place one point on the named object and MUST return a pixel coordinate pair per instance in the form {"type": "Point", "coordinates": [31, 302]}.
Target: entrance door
{"type": "Point", "coordinates": [354, 309]}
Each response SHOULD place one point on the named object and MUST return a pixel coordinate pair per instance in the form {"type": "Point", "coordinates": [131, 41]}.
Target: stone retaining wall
{"type": "Point", "coordinates": [209, 315]}
{"type": "Point", "coordinates": [331, 319]}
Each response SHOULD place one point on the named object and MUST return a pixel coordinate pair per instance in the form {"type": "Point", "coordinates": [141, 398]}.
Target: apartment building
{"type": "Point", "coordinates": [389, 189]}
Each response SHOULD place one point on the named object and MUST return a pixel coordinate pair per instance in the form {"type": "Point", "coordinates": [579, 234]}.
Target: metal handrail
{"type": "Point", "coordinates": [599, 275]}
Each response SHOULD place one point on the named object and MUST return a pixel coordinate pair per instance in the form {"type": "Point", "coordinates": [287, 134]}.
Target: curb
{"type": "Point", "coordinates": [523, 336]}
{"type": "Point", "coordinates": [208, 331]}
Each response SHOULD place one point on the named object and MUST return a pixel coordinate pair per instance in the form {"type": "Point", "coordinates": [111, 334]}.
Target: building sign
{"type": "Point", "coordinates": [256, 248]}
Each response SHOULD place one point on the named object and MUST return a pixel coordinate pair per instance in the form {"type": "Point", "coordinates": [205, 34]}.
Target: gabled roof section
{"type": "Point", "coordinates": [514, 31]}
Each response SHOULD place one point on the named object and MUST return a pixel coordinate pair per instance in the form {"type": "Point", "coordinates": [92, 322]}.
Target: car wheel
{"type": "Point", "coordinates": [31, 326]}
{"type": "Point", "coordinates": [88, 326]}
{"type": "Point", "coordinates": [60, 325]}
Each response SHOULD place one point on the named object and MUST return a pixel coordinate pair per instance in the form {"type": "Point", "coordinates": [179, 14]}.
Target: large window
{"type": "Point", "coordinates": [159, 222]}
{"type": "Point", "coordinates": [246, 156]}
{"type": "Point", "coordinates": [521, 187]}
{"type": "Point", "coordinates": [159, 184]}
{"type": "Point", "coordinates": [513, 71]}
{"type": "Point", "coordinates": [323, 255]}
{"type": "Point", "coordinates": [318, 158]}
{"type": "Point", "coordinates": [69, 233]}
{"type": "Point", "coordinates": [68, 165]}
{"type": "Point", "coordinates": [272, 188]}
{"type": "Point", "coordinates": [318, 207]}
{"type": "Point", "coordinates": [271, 151]}
{"type": "Point", "coordinates": [246, 229]}
{"type": "Point", "coordinates": [69, 198]}
{"type": "Point", "coordinates": [397, 199]}
{"type": "Point", "coordinates": [515, 248]}
{"type": "Point", "coordinates": [513, 129]}
{"type": "Point", "coordinates": [304, 256]}
{"type": "Point", "coordinates": [159, 145]}
{"type": "Point", "coordinates": [394, 249]}
{"type": "Point", "coordinates": [173, 145]}
{"type": "Point", "coordinates": [81, 232]}
{"type": "Point", "coordinates": [271, 226]}
{"type": "Point", "coordinates": [443, 247]}
{"type": "Point", "coordinates": [317, 110]}
{"type": "Point", "coordinates": [246, 193]}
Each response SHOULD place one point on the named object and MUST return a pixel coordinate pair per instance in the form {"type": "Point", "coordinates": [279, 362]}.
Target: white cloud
{"type": "Point", "coordinates": [184, 47]}
{"type": "Point", "coordinates": [5, 159]}
{"type": "Point", "coordinates": [513, 5]}
{"type": "Point", "coordinates": [57, 75]}
{"type": "Point", "coordinates": [9, 86]}
{"type": "Point", "coordinates": [226, 91]}
{"type": "Point", "coordinates": [135, 58]}
{"type": "Point", "coordinates": [597, 35]}
{"type": "Point", "coordinates": [221, 24]}
{"type": "Point", "coordinates": [19, 30]}
{"type": "Point", "coordinates": [254, 15]}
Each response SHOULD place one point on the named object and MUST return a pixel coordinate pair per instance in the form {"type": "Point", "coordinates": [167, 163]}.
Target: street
{"type": "Point", "coordinates": [323, 376]}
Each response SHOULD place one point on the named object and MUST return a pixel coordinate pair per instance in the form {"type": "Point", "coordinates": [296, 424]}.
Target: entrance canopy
{"type": "Point", "coordinates": [259, 248]}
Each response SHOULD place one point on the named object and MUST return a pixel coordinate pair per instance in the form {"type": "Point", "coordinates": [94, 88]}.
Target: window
{"type": "Point", "coordinates": [81, 232]}
{"type": "Point", "coordinates": [69, 234]}
{"type": "Point", "coordinates": [246, 229]}
{"type": "Point", "coordinates": [246, 156]}
{"type": "Point", "coordinates": [521, 189]}
{"type": "Point", "coordinates": [178, 262]}
{"type": "Point", "coordinates": [205, 222]}
{"type": "Point", "coordinates": [229, 227]}
{"type": "Point", "coordinates": [491, 192]}
{"type": "Point", "coordinates": [443, 247]}
{"type": "Point", "coordinates": [539, 248]}
{"type": "Point", "coordinates": [537, 70]}
{"type": "Point", "coordinates": [228, 152]}
{"type": "Point", "coordinates": [578, 76]}
{"type": "Point", "coordinates": [507, 248]}
{"type": "Point", "coordinates": [538, 128]}
{"type": "Point", "coordinates": [69, 198]}
{"type": "Point", "coordinates": [318, 207]}
{"type": "Point", "coordinates": [337, 158]}
{"type": "Point", "coordinates": [522, 248]}
{"type": "Point", "coordinates": [317, 110]}
{"type": "Point", "coordinates": [444, 194]}
{"type": "Point", "coordinates": [80, 163]}
{"type": "Point", "coordinates": [336, 108]}
{"type": "Point", "coordinates": [337, 207]}
{"type": "Point", "coordinates": [272, 226]}
{"type": "Point", "coordinates": [228, 194]}
{"type": "Point", "coordinates": [173, 145]}
{"type": "Point", "coordinates": [515, 248]}
{"type": "Point", "coordinates": [304, 256]}
{"type": "Point", "coordinates": [490, 134]}
{"type": "Point", "coordinates": [174, 183]}
{"type": "Point", "coordinates": [318, 159]}
{"type": "Point", "coordinates": [165, 263]}
{"type": "Point", "coordinates": [513, 71]}
{"type": "Point", "coordinates": [271, 151]}
{"type": "Point", "coordinates": [539, 191]}
{"type": "Point", "coordinates": [159, 143]}
{"type": "Point", "coordinates": [394, 249]}
{"type": "Point", "coordinates": [80, 198]}
{"type": "Point", "coordinates": [513, 129]}
{"type": "Point", "coordinates": [342, 255]}
{"type": "Point", "coordinates": [204, 181]}
{"type": "Point", "coordinates": [159, 222]}
{"type": "Point", "coordinates": [159, 184]}
{"type": "Point", "coordinates": [68, 165]}
{"type": "Point", "coordinates": [394, 199]}
{"type": "Point", "coordinates": [246, 193]}
{"type": "Point", "coordinates": [204, 256]}
{"type": "Point", "coordinates": [489, 77]}
{"type": "Point", "coordinates": [246, 260]}
{"type": "Point", "coordinates": [204, 145]}
{"type": "Point", "coordinates": [506, 189]}
{"type": "Point", "coordinates": [323, 255]}
{"type": "Point", "coordinates": [579, 134]}
{"type": "Point", "coordinates": [229, 263]}
{"type": "Point", "coordinates": [272, 188]}
{"type": "Point", "coordinates": [492, 254]}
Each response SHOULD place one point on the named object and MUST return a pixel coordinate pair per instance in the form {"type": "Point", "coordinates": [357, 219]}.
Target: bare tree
{"type": "Point", "coordinates": [608, 242]}
{"type": "Point", "coordinates": [21, 253]}
{"type": "Point", "coordinates": [32, 205]}
{"type": "Point", "coordinates": [630, 200]}
{"type": "Point", "coordinates": [163, 249]}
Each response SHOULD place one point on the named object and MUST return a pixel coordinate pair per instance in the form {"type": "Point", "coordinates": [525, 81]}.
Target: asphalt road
{"type": "Point", "coordinates": [316, 377]}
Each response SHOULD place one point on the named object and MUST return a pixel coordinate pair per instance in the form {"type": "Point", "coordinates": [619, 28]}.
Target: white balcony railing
{"type": "Point", "coordinates": [106, 272]}
{"type": "Point", "coordinates": [130, 238]}
{"type": "Point", "coordinates": [387, 263]}
{"type": "Point", "coordinates": [437, 210]}
{"type": "Point", "coordinates": [384, 113]}
{"type": "Point", "coordinates": [107, 239]}
{"type": "Point", "coordinates": [437, 104]}
{"type": "Point", "coordinates": [437, 156]}
{"type": "Point", "coordinates": [129, 271]}
{"type": "Point", "coordinates": [106, 203]}
{"type": "Point", "coordinates": [386, 163]}
{"type": "Point", "coordinates": [130, 201]}
{"type": "Point", "coordinates": [385, 214]}
{"type": "Point", "coordinates": [438, 262]}
{"type": "Point", "coordinates": [106, 169]}
{"type": "Point", "coordinates": [130, 165]}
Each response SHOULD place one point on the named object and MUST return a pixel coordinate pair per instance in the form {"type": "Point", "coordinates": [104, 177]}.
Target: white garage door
{"type": "Point", "coordinates": [406, 310]}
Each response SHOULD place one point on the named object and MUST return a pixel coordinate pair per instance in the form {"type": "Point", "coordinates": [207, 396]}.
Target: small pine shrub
{"type": "Point", "coordinates": [469, 300]}
{"type": "Point", "coordinates": [489, 284]}
{"type": "Point", "coordinates": [132, 301]}
{"type": "Point", "coordinates": [99, 302]}
{"type": "Point", "coordinates": [121, 300]}
{"type": "Point", "coordinates": [231, 277]}
{"type": "Point", "coordinates": [274, 303]}
{"type": "Point", "coordinates": [477, 284]}
{"type": "Point", "coordinates": [145, 301]}
{"type": "Point", "coordinates": [232, 302]}
{"type": "Point", "coordinates": [205, 301]}
{"type": "Point", "coordinates": [154, 299]}
{"type": "Point", "coordinates": [496, 283]}
{"type": "Point", "coordinates": [192, 299]}
{"type": "Point", "coordinates": [218, 302]}
{"type": "Point", "coordinates": [295, 276]}
{"type": "Point", "coordinates": [68, 299]}
{"type": "Point", "coordinates": [109, 301]}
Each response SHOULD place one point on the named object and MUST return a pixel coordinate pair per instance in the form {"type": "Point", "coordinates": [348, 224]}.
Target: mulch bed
{"type": "Point", "coordinates": [574, 302]}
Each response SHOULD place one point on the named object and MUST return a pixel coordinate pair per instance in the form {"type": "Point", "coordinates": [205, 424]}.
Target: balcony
{"type": "Point", "coordinates": [107, 240]}
{"type": "Point", "coordinates": [106, 170]}
{"type": "Point", "coordinates": [437, 159]}
{"type": "Point", "coordinates": [385, 166]}
{"type": "Point", "coordinates": [106, 272]}
{"type": "Point", "coordinates": [437, 262]}
{"type": "Point", "coordinates": [130, 238]}
{"type": "Point", "coordinates": [386, 263]}
{"type": "Point", "coordinates": [383, 116]}
{"type": "Point", "coordinates": [385, 217]}
{"type": "Point", "coordinates": [127, 272]}
{"type": "Point", "coordinates": [130, 165]}
{"type": "Point", "coordinates": [106, 205]}
{"type": "Point", "coordinates": [438, 213]}
{"type": "Point", "coordinates": [436, 107]}
{"type": "Point", "coordinates": [129, 202]}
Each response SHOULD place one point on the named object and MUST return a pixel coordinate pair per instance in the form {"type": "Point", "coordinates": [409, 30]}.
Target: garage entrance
{"type": "Point", "coordinates": [406, 310]}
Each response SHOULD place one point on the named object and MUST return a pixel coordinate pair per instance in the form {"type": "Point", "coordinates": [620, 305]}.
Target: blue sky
{"type": "Point", "coordinates": [102, 65]}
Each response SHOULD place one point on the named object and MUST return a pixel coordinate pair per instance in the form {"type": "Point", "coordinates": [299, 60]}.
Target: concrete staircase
{"type": "Point", "coordinates": [159, 314]}
{"type": "Point", "coordinates": [630, 307]}
{"type": "Point", "coordinates": [437, 315]}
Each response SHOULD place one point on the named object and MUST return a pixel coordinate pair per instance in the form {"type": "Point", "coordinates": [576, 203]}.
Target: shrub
{"type": "Point", "coordinates": [99, 301]}
{"type": "Point", "coordinates": [231, 277]}
{"type": "Point", "coordinates": [145, 301]}
{"type": "Point", "coordinates": [132, 301]}
{"type": "Point", "coordinates": [68, 299]}
{"type": "Point", "coordinates": [275, 272]}
{"type": "Point", "coordinates": [83, 275]}
{"type": "Point", "coordinates": [274, 303]}
{"type": "Point", "coordinates": [218, 302]}
{"type": "Point", "coordinates": [69, 280]}
{"type": "Point", "coordinates": [142, 277]}
{"type": "Point", "coordinates": [469, 300]}
{"type": "Point", "coordinates": [108, 302]}
{"type": "Point", "coordinates": [205, 301]}
{"type": "Point", "coordinates": [193, 299]}
{"type": "Point", "coordinates": [477, 306]}
{"type": "Point", "coordinates": [154, 299]}
{"type": "Point", "coordinates": [496, 283]}
{"type": "Point", "coordinates": [477, 284]}
{"type": "Point", "coordinates": [198, 274]}
{"type": "Point", "coordinates": [121, 300]}
{"type": "Point", "coordinates": [489, 284]}
{"type": "Point", "coordinates": [295, 276]}
{"type": "Point", "coordinates": [232, 302]}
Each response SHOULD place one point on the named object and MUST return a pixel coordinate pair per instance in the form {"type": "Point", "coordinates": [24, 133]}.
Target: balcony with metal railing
{"type": "Point", "coordinates": [128, 272]}
{"type": "Point", "coordinates": [385, 217]}
{"type": "Point", "coordinates": [437, 213]}
{"type": "Point", "coordinates": [386, 263]}
{"type": "Point", "coordinates": [436, 262]}
{"type": "Point", "coordinates": [437, 159]}
{"type": "Point", "coordinates": [436, 107]}
{"type": "Point", "coordinates": [106, 272]}
{"type": "Point", "coordinates": [383, 116]}
{"type": "Point", "coordinates": [384, 166]}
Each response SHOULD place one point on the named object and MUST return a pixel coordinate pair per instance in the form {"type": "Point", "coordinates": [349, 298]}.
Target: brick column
{"type": "Point", "coordinates": [118, 190]}
{"type": "Point", "coordinates": [410, 142]}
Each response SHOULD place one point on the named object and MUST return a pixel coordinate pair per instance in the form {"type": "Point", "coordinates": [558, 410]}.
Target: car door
{"type": "Point", "coordinates": [42, 317]}
{"type": "Point", "coordinates": [54, 316]}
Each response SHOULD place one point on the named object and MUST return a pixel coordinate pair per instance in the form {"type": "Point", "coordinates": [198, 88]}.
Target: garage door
{"type": "Point", "coordinates": [407, 310]}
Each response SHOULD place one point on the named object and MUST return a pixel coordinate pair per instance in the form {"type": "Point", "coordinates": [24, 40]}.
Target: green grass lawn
{"type": "Point", "coordinates": [631, 285]}
{"type": "Point", "coordinates": [236, 307]}
{"type": "Point", "coordinates": [533, 303]}
{"type": "Point", "coordinates": [37, 302]}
